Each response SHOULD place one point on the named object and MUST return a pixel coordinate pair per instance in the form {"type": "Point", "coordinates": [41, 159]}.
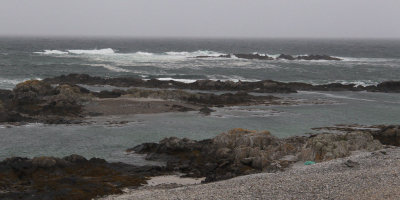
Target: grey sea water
{"type": "Point", "coordinates": [365, 62]}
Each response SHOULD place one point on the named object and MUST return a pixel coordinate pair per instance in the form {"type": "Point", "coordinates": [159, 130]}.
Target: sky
{"type": "Point", "coordinates": [202, 18]}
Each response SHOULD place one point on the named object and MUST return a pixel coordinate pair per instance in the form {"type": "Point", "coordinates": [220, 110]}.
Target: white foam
{"type": "Point", "coordinates": [50, 52]}
{"type": "Point", "coordinates": [337, 96]}
{"type": "Point", "coordinates": [194, 53]}
{"type": "Point", "coordinates": [233, 78]}
{"type": "Point", "coordinates": [111, 67]}
{"type": "Point", "coordinates": [356, 83]}
{"type": "Point", "coordinates": [11, 83]}
{"type": "Point", "coordinates": [141, 53]}
{"type": "Point", "coordinates": [178, 80]}
{"type": "Point", "coordinates": [106, 51]}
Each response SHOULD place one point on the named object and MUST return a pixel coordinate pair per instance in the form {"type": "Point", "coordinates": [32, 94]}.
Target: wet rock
{"type": "Point", "coordinates": [286, 57]}
{"type": "Point", "coordinates": [74, 158]}
{"type": "Point", "coordinates": [388, 135]}
{"type": "Point", "coordinates": [253, 56]}
{"type": "Point", "coordinates": [47, 162]}
{"type": "Point", "coordinates": [388, 86]}
{"type": "Point", "coordinates": [70, 178]}
{"type": "Point", "coordinates": [110, 94]}
{"type": "Point", "coordinates": [206, 110]}
{"type": "Point", "coordinates": [204, 99]}
{"type": "Point", "coordinates": [40, 98]}
{"type": "Point", "coordinates": [265, 86]}
{"type": "Point", "coordinates": [317, 57]}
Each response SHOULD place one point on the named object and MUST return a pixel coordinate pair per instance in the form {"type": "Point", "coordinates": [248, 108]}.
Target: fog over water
{"type": "Point", "coordinates": [182, 18]}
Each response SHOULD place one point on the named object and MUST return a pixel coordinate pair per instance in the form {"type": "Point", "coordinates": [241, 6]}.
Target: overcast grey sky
{"type": "Point", "coordinates": [202, 18]}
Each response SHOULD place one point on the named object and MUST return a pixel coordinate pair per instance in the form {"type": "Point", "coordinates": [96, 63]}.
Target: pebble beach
{"type": "Point", "coordinates": [363, 175]}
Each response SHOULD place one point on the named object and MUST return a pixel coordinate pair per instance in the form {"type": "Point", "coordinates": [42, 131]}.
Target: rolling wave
{"type": "Point", "coordinates": [171, 55]}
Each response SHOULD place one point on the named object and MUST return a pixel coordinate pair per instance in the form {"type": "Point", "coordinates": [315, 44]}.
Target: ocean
{"type": "Point", "coordinates": [365, 62]}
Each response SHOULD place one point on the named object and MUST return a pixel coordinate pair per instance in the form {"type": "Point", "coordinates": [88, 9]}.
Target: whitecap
{"type": "Point", "coordinates": [141, 53]}
{"type": "Point", "coordinates": [11, 83]}
{"type": "Point", "coordinates": [110, 67]}
{"type": "Point", "coordinates": [50, 52]}
{"type": "Point", "coordinates": [106, 51]}
{"type": "Point", "coordinates": [178, 80]}
{"type": "Point", "coordinates": [357, 83]}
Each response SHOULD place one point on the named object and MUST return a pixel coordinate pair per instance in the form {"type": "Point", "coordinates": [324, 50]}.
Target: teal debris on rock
{"type": "Point", "coordinates": [309, 163]}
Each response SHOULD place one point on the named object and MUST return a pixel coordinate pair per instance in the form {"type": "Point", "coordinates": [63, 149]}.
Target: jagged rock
{"type": "Point", "coordinates": [241, 151]}
{"type": "Point", "coordinates": [265, 86]}
{"type": "Point", "coordinates": [327, 146]}
{"type": "Point", "coordinates": [38, 98]}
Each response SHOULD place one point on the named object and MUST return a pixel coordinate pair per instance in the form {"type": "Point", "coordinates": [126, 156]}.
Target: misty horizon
{"type": "Point", "coordinates": [201, 19]}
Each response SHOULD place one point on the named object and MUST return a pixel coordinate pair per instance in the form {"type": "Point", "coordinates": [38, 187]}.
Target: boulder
{"type": "Point", "coordinates": [329, 146]}
{"type": "Point", "coordinates": [48, 162]}
{"type": "Point", "coordinates": [286, 57]}
{"type": "Point", "coordinates": [388, 135]}
{"type": "Point", "coordinates": [388, 86]}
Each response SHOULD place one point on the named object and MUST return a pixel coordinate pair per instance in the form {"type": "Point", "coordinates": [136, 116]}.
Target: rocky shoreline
{"type": "Point", "coordinates": [234, 153]}
{"type": "Point", "coordinates": [265, 86]}
{"type": "Point", "coordinates": [266, 57]}
{"type": "Point", "coordinates": [62, 100]}
{"type": "Point", "coordinates": [38, 101]}
{"type": "Point", "coordinates": [238, 152]}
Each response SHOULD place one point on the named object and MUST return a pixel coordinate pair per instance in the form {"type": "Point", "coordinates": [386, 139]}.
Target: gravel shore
{"type": "Point", "coordinates": [367, 176]}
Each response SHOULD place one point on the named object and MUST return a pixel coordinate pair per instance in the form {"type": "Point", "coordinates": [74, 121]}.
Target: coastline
{"type": "Point", "coordinates": [238, 152]}
{"type": "Point", "coordinates": [374, 177]}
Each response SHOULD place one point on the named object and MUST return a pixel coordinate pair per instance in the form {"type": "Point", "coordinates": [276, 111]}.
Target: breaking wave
{"type": "Point", "coordinates": [11, 83]}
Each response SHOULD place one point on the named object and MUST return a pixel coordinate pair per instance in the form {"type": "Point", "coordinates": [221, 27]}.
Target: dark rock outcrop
{"type": "Point", "coordinates": [266, 57]}
{"type": "Point", "coordinates": [241, 151]}
{"type": "Point", "coordinates": [72, 177]}
{"type": "Point", "coordinates": [285, 57]}
{"type": "Point", "coordinates": [204, 99]}
{"type": "Point", "coordinates": [317, 57]}
{"type": "Point", "coordinates": [388, 86]}
{"type": "Point", "coordinates": [265, 86]}
{"type": "Point", "coordinates": [40, 98]}
{"type": "Point", "coordinates": [109, 94]}
{"type": "Point", "coordinates": [253, 56]}
{"type": "Point", "coordinates": [389, 135]}
{"type": "Point", "coordinates": [38, 101]}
